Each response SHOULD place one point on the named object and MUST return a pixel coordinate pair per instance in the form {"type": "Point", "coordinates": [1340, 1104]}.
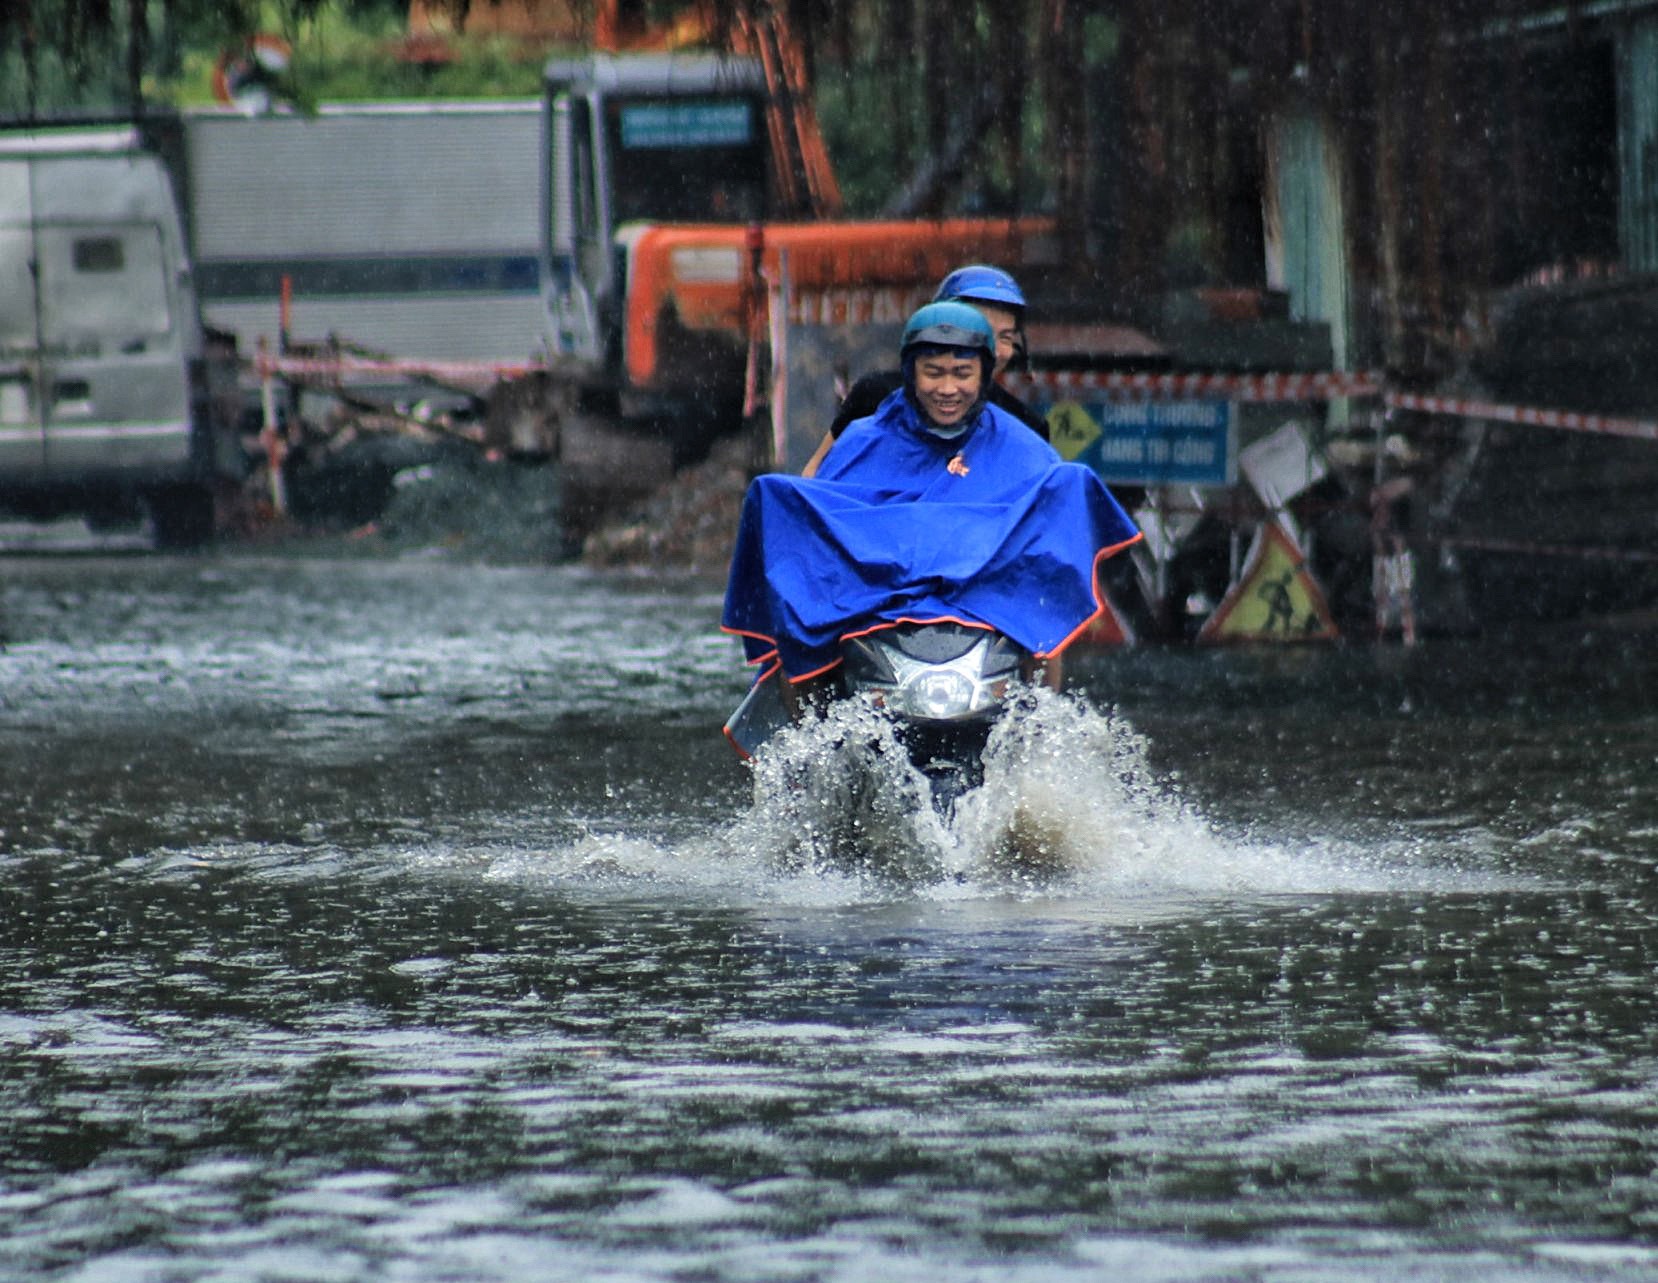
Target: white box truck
{"type": "Point", "coordinates": [409, 229]}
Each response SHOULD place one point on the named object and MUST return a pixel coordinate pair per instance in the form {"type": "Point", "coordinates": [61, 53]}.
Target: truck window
{"type": "Point", "coordinates": [103, 284]}
{"type": "Point", "coordinates": [687, 160]}
{"type": "Point", "coordinates": [98, 254]}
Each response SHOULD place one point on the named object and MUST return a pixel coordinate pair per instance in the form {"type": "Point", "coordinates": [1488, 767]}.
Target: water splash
{"type": "Point", "coordinates": [840, 795]}
{"type": "Point", "coordinates": [1070, 804]}
{"type": "Point", "coordinates": [1070, 794]}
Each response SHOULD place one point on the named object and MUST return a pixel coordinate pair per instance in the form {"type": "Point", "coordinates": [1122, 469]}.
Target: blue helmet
{"type": "Point", "coordinates": [949, 326]}
{"type": "Point", "coordinates": [979, 282]}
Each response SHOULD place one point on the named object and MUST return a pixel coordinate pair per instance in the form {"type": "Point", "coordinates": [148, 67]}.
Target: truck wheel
{"type": "Point", "coordinates": [181, 515]}
{"type": "Point", "coordinates": [113, 515]}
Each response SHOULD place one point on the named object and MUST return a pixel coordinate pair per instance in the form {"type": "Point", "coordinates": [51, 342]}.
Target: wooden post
{"type": "Point", "coordinates": [270, 434]}
{"type": "Point", "coordinates": [1388, 202]}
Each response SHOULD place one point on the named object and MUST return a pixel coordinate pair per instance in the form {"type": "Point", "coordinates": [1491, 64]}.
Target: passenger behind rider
{"type": "Point", "coordinates": [998, 298]}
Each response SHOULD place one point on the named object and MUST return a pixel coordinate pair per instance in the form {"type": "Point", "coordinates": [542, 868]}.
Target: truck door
{"type": "Point", "coordinates": [579, 250]}
{"type": "Point", "coordinates": [22, 445]}
{"type": "Point", "coordinates": [114, 398]}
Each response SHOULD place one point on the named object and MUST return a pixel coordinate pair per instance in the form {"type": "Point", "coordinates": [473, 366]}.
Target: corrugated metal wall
{"type": "Point", "coordinates": [1306, 224]}
{"type": "Point", "coordinates": [365, 181]}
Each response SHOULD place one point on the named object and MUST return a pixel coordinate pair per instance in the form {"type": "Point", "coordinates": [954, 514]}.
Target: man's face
{"type": "Point", "coordinates": [1005, 325]}
{"type": "Point", "coordinates": [947, 386]}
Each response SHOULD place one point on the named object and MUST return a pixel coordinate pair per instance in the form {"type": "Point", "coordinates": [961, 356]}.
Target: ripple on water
{"type": "Point", "coordinates": [426, 959]}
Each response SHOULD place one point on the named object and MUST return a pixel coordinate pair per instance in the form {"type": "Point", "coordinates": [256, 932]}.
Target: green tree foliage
{"type": "Point", "coordinates": [65, 57]}
{"type": "Point", "coordinates": [925, 105]}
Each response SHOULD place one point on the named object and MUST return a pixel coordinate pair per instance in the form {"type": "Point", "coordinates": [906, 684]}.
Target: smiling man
{"type": "Point", "coordinates": [947, 386]}
{"type": "Point", "coordinates": [945, 364]}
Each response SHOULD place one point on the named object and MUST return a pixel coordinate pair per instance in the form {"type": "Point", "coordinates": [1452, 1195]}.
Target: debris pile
{"type": "Point", "coordinates": [689, 525]}
{"type": "Point", "coordinates": [488, 509]}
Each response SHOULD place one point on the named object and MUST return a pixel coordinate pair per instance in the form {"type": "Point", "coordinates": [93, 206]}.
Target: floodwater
{"type": "Point", "coordinates": [401, 919]}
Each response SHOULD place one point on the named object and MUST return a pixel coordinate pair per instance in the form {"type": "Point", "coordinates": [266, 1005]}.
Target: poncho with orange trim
{"type": "Point", "coordinates": [989, 528]}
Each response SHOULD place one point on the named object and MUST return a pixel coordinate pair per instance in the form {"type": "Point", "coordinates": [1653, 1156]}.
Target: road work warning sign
{"type": "Point", "coordinates": [1275, 598]}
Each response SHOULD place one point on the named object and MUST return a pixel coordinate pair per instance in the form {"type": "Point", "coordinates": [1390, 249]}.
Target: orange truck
{"type": "Point", "coordinates": [669, 201]}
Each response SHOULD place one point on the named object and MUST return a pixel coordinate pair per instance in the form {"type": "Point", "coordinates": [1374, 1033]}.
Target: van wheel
{"type": "Point", "coordinates": [181, 515]}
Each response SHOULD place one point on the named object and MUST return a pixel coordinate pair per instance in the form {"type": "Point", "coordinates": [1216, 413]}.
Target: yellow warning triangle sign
{"type": "Point", "coordinates": [1276, 597]}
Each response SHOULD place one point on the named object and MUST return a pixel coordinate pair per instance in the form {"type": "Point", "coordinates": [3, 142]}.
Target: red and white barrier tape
{"type": "Point", "coordinates": [1232, 387]}
{"type": "Point", "coordinates": [1320, 387]}
{"type": "Point", "coordinates": [1568, 420]}
{"type": "Point", "coordinates": [1116, 385]}
{"type": "Point", "coordinates": [833, 306]}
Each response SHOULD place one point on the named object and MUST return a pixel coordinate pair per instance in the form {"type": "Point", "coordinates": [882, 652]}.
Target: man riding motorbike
{"type": "Point", "coordinates": [938, 508]}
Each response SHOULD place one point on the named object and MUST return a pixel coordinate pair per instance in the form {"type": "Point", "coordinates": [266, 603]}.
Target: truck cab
{"type": "Point", "coordinates": [687, 224]}
{"type": "Point", "coordinates": [113, 398]}
{"type": "Point", "coordinates": [633, 141]}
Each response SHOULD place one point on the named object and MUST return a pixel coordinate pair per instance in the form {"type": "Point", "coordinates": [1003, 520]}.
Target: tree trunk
{"type": "Point", "coordinates": [138, 40]}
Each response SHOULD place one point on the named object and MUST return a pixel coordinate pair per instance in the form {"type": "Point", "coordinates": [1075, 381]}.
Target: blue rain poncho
{"type": "Point", "coordinates": [989, 528]}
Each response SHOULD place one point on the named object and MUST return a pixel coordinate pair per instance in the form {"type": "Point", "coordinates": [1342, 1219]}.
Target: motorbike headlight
{"type": "Point", "coordinates": [939, 695]}
{"type": "Point", "coordinates": [938, 683]}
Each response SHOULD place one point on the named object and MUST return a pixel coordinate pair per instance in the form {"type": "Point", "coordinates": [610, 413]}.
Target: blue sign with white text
{"type": "Point", "coordinates": [687, 124]}
{"type": "Point", "coordinates": [1148, 443]}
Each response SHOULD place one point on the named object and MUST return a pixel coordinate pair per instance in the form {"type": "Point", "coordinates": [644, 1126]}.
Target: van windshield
{"type": "Point", "coordinates": [102, 283]}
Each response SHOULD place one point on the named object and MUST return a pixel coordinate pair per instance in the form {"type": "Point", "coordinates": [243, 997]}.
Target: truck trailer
{"type": "Point", "coordinates": [405, 228]}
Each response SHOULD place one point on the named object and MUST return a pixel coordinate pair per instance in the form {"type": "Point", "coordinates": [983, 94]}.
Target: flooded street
{"type": "Point", "coordinates": [402, 919]}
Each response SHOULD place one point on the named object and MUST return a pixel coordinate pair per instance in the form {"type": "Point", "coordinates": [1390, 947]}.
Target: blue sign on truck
{"type": "Point", "coordinates": [1148, 442]}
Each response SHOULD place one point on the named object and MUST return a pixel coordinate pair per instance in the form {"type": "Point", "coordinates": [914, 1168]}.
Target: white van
{"type": "Point", "coordinates": [114, 398]}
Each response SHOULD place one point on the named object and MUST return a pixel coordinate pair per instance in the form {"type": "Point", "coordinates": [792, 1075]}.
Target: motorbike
{"type": "Point", "coordinates": [942, 686]}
